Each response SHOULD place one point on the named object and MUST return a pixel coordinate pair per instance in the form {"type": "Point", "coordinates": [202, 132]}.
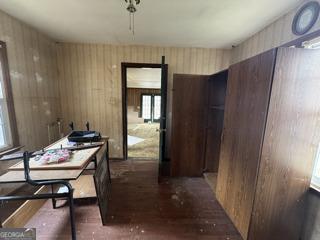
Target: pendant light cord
{"type": "Point", "coordinates": [132, 9]}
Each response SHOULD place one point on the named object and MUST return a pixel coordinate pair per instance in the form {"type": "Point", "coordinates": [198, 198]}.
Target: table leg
{"type": "Point", "coordinates": [54, 201]}
{"type": "Point", "coordinates": [72, 220]}
{"type": "Point", "coordinates": [95, 162]}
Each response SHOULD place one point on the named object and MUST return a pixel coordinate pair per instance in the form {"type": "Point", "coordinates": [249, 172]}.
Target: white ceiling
{"type": "Point", "coordinates": [196, 23]}
{"type": "Point", "coordinates": [143, 78]}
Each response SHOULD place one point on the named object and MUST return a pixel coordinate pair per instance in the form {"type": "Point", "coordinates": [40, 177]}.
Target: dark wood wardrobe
{"type": "Point", "coordinates": [269, 141]}
{"type": "Point", "coordinates": [197, 119]}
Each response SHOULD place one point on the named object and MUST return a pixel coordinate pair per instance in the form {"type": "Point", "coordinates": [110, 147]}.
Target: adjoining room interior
{"type": "Point", "coordinates": [143, 112]}
{"type": "Point", "coordinates": [139, 119]}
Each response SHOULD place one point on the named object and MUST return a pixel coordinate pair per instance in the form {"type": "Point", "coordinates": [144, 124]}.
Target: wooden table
{"type": "Point", "coordinates": [70, 170]}
{"type": "Point", "coordinates": [85, 186]}
{"type": "Point", "coordinates": [78, 160]}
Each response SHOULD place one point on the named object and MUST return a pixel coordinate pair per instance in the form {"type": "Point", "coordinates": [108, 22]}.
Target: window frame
{"type": "Point", "coordinates": [141, 106]}
{"type": "Point", "coordinates": [152, 95]}
{"type": "Point", "coordinates": [7, 88]}
{"type": "Point", "coordinates": [156, 119]}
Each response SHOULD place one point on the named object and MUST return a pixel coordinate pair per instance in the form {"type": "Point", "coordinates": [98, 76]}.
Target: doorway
{"type": "Point", "coordinates": [142, 105]}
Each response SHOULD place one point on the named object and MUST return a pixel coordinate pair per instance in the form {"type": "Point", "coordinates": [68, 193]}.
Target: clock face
{"type": "Point", "coordinates": [305, 18]}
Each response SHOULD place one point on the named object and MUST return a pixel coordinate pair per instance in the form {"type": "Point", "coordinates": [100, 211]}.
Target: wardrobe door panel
{"type": "Point", "coordinates": [189, 105]}
{"type": "Point", "coordinates": [291, 140]}
{"type": "Point", "coordinates": [248, 93]}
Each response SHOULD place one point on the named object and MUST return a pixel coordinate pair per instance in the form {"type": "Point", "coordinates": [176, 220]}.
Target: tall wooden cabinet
{"type": "Point", "coordinates": [197, 119]}
{"type": "Point", "coordinates": [270, 135]}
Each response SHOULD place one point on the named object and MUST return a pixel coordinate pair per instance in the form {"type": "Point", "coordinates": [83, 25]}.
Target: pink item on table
{"type": "Point", "coordinates": [54, 156]}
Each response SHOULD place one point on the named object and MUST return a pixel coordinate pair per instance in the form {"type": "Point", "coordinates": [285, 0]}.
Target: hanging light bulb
{"type": "Point", "coordinates": [132, 10]}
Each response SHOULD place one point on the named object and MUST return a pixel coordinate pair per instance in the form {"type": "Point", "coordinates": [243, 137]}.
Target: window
{"type": "Point", "coordinates": [151, 107]}
{"type": "Point", "coordinates": [8, 132]}
{"type": "Point", "coordinates": [157, 107]}
{"type": "Point", "coordinates": [146, 107]}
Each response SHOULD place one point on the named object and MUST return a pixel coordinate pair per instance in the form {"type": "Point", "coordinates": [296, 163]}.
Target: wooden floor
{"type": "Point", "coordinates": [140, 208]}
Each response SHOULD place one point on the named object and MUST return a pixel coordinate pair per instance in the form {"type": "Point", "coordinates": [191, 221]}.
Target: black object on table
{"type": "Point", "coordinates": [84, 136]}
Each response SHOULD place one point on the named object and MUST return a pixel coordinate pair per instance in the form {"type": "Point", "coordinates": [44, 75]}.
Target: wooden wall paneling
{"type": "Point", "coordinates": [30, 89]}
{"type": "Point", "coordinates": [289, 148]}
{"type": "Point", "coordinates": [95, 101]}
{"type": "Point", "coordinates": [50, 113]}
{"type": "Point", "coordinates": [80, 87]}
{"type": "Point", "coordinates": [70, 89]}
{"type": "Point", "coordinates": [61, 76]}
{"type": "Point", "coordinates": [29, 60]}
{"type": "Point", "coordinates": [180, 60]}
{"type": "Point", "coordinates": [92, 117]}
{"type": "Point", "coordinates": [107, 90]}
{"type": "Point", "coordinates": [44, 82]}
{"type": "Point", "coordinates": [94, 88]}
{"type": "Point", "coordinates": [73, 91]}
{"type": "Point", "coordinates": [65, 106]}
{"type": "Point", "coordinates": [248, 91]}
{"type": "Point", "coordinates": [36, 84]}
{"type": "Point", "coordinates": [99, 85]}
{"type": "Point", "coordinates": [115, 101]}
{"type": "Point", "coordinates": [134, 96]}
{"type": "Point", "coordinates": [89, 69]}
{"type": "Point", "coordinates": [188, 124]}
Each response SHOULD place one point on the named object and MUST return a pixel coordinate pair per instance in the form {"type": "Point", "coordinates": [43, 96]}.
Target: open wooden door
{"type": "Point", "coordinates": [163, 162]}
{"type": "Point", "coordinates": [189, 115]}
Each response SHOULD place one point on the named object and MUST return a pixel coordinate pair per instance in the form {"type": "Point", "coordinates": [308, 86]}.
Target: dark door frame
{"type": "Point", "coordinates": [124, 67]}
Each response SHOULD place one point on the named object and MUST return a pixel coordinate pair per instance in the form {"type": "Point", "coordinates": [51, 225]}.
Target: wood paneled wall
{"type": "Point", "coordinates": [274, 35]}
{"type": "Point", "coordinates": [134, 95]}
{"type": "Point", "coordinates": [90, 80]}
{"type": "Point", "coordinates": [33, 72]}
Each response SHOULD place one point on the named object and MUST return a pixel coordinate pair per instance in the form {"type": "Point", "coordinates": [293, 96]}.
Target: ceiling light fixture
{"type": "Point", "coordinates": [132, 8]}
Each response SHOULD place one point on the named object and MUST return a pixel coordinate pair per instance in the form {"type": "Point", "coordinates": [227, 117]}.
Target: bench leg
{"type": "Point", "coordinates": [54, 201]}
{"type": "Point", "coordinates": [72, 220]}
{"type": "Point", "coordinates": [95, 162]}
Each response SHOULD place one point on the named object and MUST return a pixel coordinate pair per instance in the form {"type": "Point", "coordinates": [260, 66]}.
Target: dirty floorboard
{"type": "Point", "coordinates": [140, 208]}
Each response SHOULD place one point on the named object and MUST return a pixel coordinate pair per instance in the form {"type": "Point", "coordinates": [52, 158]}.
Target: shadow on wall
{"type": "Point", "coordinates": [311, 229]}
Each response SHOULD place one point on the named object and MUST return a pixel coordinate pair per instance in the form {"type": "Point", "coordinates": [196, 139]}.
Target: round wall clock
{"type": "Point", "coordinates": [305, 18]}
